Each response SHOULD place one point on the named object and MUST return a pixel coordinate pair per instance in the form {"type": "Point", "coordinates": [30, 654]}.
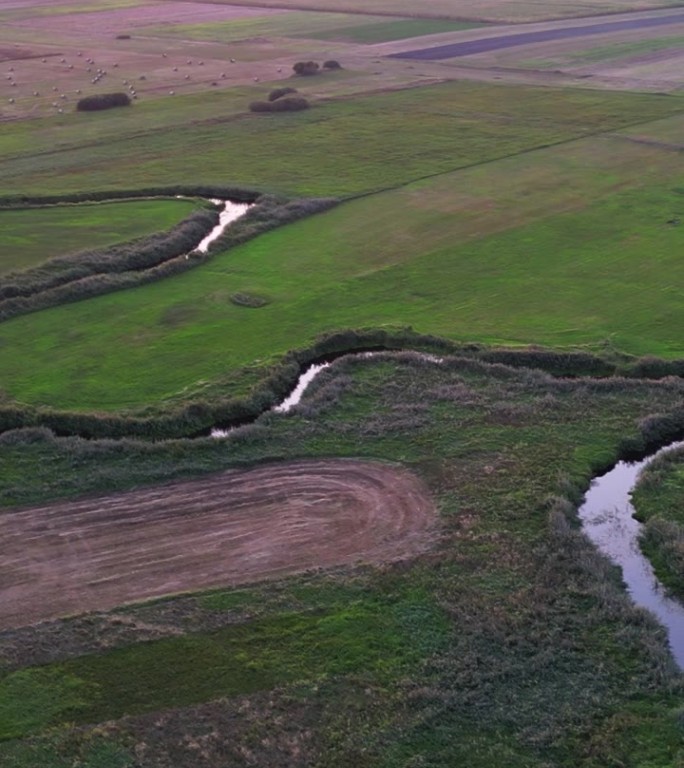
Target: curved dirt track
{"type": "Point", "coordinates": [223, 529]}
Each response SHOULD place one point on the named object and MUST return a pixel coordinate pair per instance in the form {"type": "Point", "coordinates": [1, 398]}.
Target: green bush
{"type": "Point", "coordinates": [306, 68]}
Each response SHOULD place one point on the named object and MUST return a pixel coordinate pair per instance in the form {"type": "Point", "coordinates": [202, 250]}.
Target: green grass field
{"type": "Point", "coordinates": [342, 27]}
{"type": "Point", "coordinates": [500, 253]}
{"type": "Point", "coordinates": [31, 236]}
{"type": "Point", "coordinates": [605, 53]}
{"type": "Point", "coordinates": [294, 24]}
{"type": "Point", "coordinates": [339, 148]}
{"type": "Point", "coordinates": [385, 31]}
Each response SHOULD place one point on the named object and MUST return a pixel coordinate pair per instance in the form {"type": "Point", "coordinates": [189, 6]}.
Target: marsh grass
{"type": "Point", "coordinates": [658, 501]}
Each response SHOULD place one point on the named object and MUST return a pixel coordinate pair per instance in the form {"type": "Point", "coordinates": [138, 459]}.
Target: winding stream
{"type": "Point", "coordinates": [607, 519]}
{"type": "Point", "coordinates": [303, 382]}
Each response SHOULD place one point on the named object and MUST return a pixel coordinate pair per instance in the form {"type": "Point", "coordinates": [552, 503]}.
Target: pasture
{"type": "Point", "coordinates": [567, 246]}
{"type": "Point", "coordinates": [342, 147]}
{"type": "Point", "coordinates": [31, 236]}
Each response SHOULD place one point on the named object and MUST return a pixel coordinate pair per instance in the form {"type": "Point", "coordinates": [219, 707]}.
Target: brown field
{"type": "Point", "coordinates": [170, 39]}
{"type": "Point", "coordinates": [225, 529]}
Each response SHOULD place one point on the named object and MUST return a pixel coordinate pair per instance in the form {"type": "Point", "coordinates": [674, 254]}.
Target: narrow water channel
{"type": "Point", "coordinates": [231, 212]}
{"type": "Point", "coordinates": [607, 516]}
{"type": "Point", "coordinates": [303, 382]}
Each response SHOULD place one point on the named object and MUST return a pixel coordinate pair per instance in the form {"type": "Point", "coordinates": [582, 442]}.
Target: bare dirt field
{"type": "Point", "coordinates": [234, 527]}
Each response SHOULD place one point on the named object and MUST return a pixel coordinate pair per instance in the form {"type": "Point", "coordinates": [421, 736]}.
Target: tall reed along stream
{"type": "Point", "coordinates": [607, 517]}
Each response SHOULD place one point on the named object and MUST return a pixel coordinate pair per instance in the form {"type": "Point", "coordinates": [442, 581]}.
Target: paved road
{"type": "Point", "coordinates": [483, 45]}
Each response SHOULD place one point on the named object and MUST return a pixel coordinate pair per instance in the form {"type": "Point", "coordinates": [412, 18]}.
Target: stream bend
{"type": "Point", "coordinates": [607, 517]}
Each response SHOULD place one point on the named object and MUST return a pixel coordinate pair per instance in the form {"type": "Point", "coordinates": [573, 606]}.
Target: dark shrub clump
{"type": "Point", "coordinates": [103, 101]}
{"type": "Point", "coordinates": [278, 93]}
{"type": "Point", "coordinates": [285, 104]}
{"type": "Point", "coordinates": [289, 104]}
{"type": "Point", "coordinates": [306, 68]}
{"type": "Point", "coordinates": [332, 64]}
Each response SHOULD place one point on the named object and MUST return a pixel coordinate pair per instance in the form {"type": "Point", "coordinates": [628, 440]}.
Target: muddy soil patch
{"type": "Point", "coordinates": [225, 529]}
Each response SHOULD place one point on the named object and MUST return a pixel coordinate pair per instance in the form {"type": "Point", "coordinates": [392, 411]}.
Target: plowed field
{"type": "Point", "coordinates": [224, 529]}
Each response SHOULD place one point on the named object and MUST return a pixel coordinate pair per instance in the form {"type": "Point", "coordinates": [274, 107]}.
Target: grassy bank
{"type": "Point", "coordinates": [510, 644]}
{"type": "Point", "coordinates": [658, 503]}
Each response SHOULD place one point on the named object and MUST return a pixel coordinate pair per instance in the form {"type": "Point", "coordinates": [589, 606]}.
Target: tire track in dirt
{"type": "Point", "coordinates": [224, 529]}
